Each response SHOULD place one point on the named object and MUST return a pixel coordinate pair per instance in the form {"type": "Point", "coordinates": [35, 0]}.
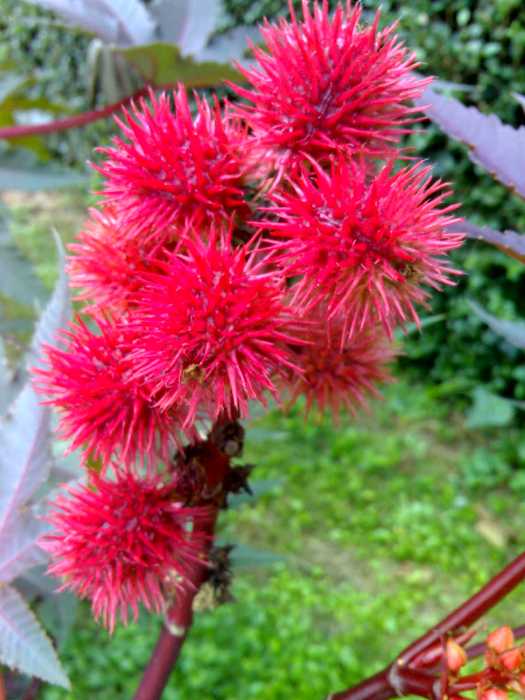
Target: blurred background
{"type": "Point", "coordinates": [366, 532]}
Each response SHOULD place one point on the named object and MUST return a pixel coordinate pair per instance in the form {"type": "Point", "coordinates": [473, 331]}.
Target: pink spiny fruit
{"type": "Point", "coordinates": [213, 330]}
{"type": "Point", "coordinates": [174, 171]}
{"type": "Point", "coordinates": [103, 409]}
{"type": "Point", "coordinates": [364, 243]}
{"type": "Point", "coordinates": [339, 373]}
{"type": "Point", "coordinates": [118, 542]}
{"type": "Point", "coordinates": [326, 83]}
{"type": "Point", "coordinates": [108, 264]}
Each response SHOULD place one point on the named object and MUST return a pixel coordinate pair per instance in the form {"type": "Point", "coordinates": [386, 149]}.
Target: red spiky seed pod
{"type": "Point", "coordinates": [103, 409]}
{"type": "Point", "coordinates": [493, 694]}
{"type": "Point", "coordinates": [326, 83]}
{"type": "Point", "coordinates": [338, 372]}
{"type": "Point", "coordinates": [175, 172]}
{"type": "Point", "coordinates": [108, 263]}
{"type": "Point", "coordinates": [117, 542]}
{"type": "Point", "coordinates": [501, 639]}
{"type": "Point", "coordinates": [511, 660]}
{"type": "Point", "coordinates": [364, 243]}
{"type": "Point", "coordinates": [213, 330]}
{"type": "Point", "coordinates": [455, 655]}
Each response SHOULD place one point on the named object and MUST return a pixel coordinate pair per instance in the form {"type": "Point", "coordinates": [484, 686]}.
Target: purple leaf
{"type": "Point", "coordinates": [512, 331]}
{"type": "Point", "coordinates": [23, 643]}
{"type": "Point", "coordinates": [25, 455]}
{"type": "Point", "coordinates": [510, 242]}
{"type": "Point", "coordinates": [231, 46]}
{"type": "Point", "coordinates": [20, 550]}
{"type": "Point", "coordinates": [495, 146]}
{"type": "Point", "coordinates": [120, 22]}
{"type": "Point", "coordinates": [57, 312]}
{"type": "Point", "coordinates": [187, 23]}
{"type": "Point", "coordinates": [25, 458]}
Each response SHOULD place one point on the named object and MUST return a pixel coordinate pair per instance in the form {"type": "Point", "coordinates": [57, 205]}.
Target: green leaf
{"type": "Point", "coordinates": [489, 410]}
{"type": "Point", "coordinates": [163, 64]}
{"type": "Point", "coordinates": [10, 83]}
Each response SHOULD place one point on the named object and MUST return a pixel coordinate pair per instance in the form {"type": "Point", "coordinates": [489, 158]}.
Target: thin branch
{"type": "Point", "coordinates": [179, 616]}
{"type": "Point", "coordinates": [403, 677]}
{"type": "Point", "coordinates": [33, 690]}
{"type": "Point", "coordinates": [173, 635]}
{"type": "Point", "coordinates": [162, 660]}
{"type": "Point", "coordinates": [471, 610]}
{"type": "Point", "coordinates": [82, 119]}
{"type": "Point", "coordinates": [377, 687]}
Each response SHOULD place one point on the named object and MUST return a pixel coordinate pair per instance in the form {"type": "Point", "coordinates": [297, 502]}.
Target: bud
{"type": "Point", "coordinates": [511, 659]}
{"type": "Point", "coordinates": [501, 639]}
{"type": "Point", "coordinates": [517, 684]}
{"type": "Point", "coordinates": [455, 655]}
{"type": "Point", "coordinates": [494, 694]}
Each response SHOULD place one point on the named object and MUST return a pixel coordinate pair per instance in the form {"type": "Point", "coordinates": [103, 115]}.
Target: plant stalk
{"type": "Point", "coordinates": [76, 120]}
{"type": "Point", "coordinates": [472, 609]}
{"type": "Point", "coordinates": [179, 618]}
{"type": "Point", "coordinates": [162, 661]}
{"type": "Point", "coordinates": [403, 677]}
{"type": "Point", "coordinates": [377, 687]}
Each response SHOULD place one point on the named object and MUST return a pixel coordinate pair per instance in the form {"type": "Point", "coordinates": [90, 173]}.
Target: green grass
{"type": "Point", "coordinates": [34, 216]}
{"type": "Point", "coordinates": [380, 533]}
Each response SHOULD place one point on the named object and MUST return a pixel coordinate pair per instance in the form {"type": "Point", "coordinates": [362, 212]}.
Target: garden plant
{"type": "Point", "coordinates": [267, 247]}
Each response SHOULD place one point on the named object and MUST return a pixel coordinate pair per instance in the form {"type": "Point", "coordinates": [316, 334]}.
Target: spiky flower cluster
{"type": "Point", "coordinates": [118, 542]}
{"type": "Point", "coordinates": [327, 84]}
{"type": "Point", "coordinates": [265, 248]}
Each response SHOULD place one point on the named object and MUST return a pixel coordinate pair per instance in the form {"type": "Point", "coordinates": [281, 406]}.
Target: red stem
{"type": "Point", "coordinates": [400, 678]}
{"type": "Point", "coordinates": [162, 660]}
{"type": "Point", "coordinates": [377, 687]}
{"type": "Point", "coordinates": [12, 132]}
{"type": "Point", "coordinates": [471, 610]}
{"type": "Point", "coordinates": [179, 619]}
{"type": "Point", "coordinates": [33, 690]}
